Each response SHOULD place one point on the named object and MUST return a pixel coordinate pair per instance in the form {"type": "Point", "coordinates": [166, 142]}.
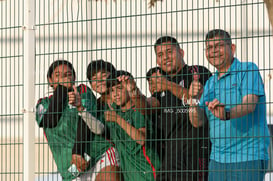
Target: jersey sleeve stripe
{"type": "Point", "coordinates": [83, 88]}
{"type": "Point", "coordinates": [114, 156]}
{"type": "Point", "coordinates": [45, 136]}
{"type": "Point", "coordinates": [110, 157]}
{"type": "Point", "coordinates": [149, 161]}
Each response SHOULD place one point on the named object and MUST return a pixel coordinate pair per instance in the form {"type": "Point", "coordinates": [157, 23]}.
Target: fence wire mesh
{"type": "Point", "coordinates": [124, 120]}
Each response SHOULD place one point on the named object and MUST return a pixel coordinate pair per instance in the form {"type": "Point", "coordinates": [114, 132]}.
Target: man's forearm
{"type": "Point", "coordinates": [178, 91]}
{"type": "Point", "coordinates": [247, 106]}
{"type": "Point", "coordinates": [241, 110]}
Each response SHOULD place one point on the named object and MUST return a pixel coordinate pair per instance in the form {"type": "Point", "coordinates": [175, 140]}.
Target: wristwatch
{"type": "Point", "coordinates": [227, 114]}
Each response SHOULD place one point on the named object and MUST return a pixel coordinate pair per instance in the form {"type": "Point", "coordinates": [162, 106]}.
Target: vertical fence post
{"type": "Point", "coordinates": [29, 85]}
{"type": "Point", "coordinates": [244, 34]}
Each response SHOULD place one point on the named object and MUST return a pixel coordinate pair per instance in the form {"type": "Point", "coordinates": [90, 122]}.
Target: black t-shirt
{"type": "Point", "coordinates": [180, 138]}
{"type": "Point", "coordinates": [174, 112]}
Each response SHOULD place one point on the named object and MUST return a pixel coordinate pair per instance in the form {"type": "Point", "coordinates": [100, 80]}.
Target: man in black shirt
{"type": "Point", "coordinates": [186, 148]}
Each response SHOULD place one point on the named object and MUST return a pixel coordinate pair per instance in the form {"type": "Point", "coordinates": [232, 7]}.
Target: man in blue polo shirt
{"type": "Point", "coordinates": [233, 102]}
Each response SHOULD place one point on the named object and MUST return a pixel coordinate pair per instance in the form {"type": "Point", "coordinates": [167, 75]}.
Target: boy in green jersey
{"type": "Point", "coordinates": [99, 72]}
{"type": "Point", "coordinates": [130, 131]}
{"type": "Point", "coordinates": [64, 116]}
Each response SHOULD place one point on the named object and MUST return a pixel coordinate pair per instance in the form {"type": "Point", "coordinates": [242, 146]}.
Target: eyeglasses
{"type": "Point", "coordinates": [216, 46]}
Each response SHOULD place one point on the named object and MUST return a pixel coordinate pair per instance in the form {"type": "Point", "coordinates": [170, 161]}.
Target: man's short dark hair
{"type": "Point", "coordinates": [219, 33]}
{"type": "Point", "coordinates": [100, 66]}
{"type": "Point", "coordinates": [152, 71]}
{"type": "Point", "coordinates": [165, 39]}
{"type": "Point", "coordinates": [56, 63]}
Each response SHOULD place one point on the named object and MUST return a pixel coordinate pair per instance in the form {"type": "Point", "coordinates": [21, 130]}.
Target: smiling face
{"type": "Point", "coordinates": [169, 57]}
{"type": "Point", "coordinates": [63, 75]}
{"type": "Point", "coordinates": [119, 95]}
{"type": "Point", "coordinates": [99, 82]}
{"type": "Point", "coordinates": [220, 53]}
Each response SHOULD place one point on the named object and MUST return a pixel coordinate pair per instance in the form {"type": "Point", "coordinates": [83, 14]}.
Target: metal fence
{"type": "Point", "coordinates": [35, 33]}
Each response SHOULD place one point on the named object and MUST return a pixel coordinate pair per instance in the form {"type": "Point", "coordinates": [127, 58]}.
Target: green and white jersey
{"type": "Point", "coordinates": [101, 143]}
{"type": "Point", "coordinates": [137, 162]}
{"type": "Point", "coordinates": [61, 137]}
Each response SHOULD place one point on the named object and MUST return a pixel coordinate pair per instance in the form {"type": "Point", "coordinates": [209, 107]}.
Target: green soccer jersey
{"type": "Point", "coordinates": [100, 142]}
{"type": "Point", "coordinates": [61, 137]}
{"type": "Point", "coordinates": [137, 162]}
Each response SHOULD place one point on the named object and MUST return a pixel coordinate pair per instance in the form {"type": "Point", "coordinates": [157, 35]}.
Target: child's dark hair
{"type": "Point", "coordinates": [56, 63]}
{"type": "Point", "coordinates": [165, 39]}
{"type": "Point", "coordinates": [99, 65]}
{"type": "Point", "coordinates": [152, 71]}
{"type": "Point", "coordinates": [122, 72]}
{"type": "Point", "coordinates": [119, 73]}
{"type": "Point", "coordinates": [219, 33]}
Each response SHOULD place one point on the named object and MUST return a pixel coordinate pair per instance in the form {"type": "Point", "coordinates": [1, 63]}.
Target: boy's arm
{"type": "Point", "coordinates": [153, 103]}
{"type": "Point", "coordinates": [139, 135]}
{"type": "Point", "coordinates": [83, 137]}
{"type": "Point", "coordinates": [141, 102]}
{"type": "Point", "coordinates": [92, 122]}
{"type": "Point", "coordinates": [56, 106]}
{"type": "Point", "coordinates": [86, 123]}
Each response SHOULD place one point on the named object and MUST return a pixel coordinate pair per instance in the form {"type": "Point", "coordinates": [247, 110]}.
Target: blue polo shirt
{"type": "Point", "coordinates": [245, 138]}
